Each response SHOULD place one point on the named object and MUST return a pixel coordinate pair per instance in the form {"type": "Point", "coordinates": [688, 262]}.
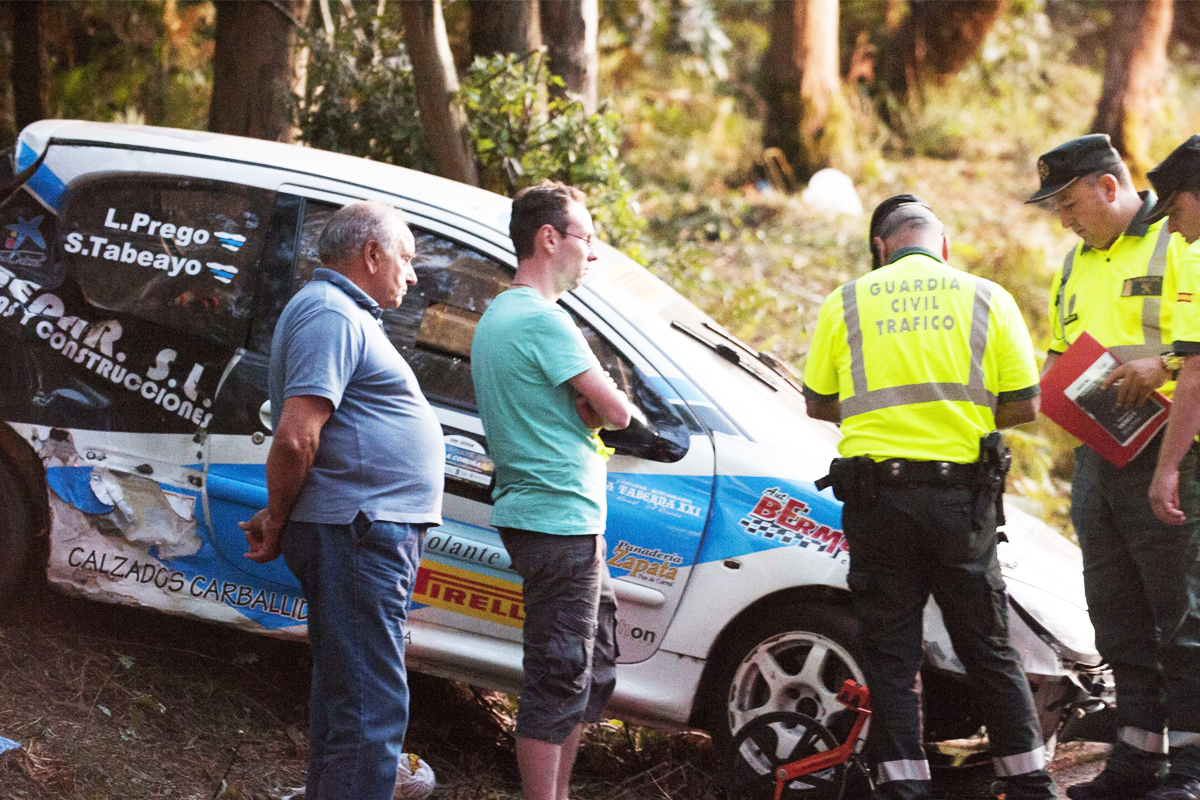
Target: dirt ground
{"type": "Point", "coordinates": [115, 702]}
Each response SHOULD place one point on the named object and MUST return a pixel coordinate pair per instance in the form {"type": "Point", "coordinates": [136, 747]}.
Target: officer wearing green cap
{"type": "Point", "coordinates": [1113, 284]}
{"type": "Point", "coordinates": [1177, 181]}
{"type": "Point", "coordinates": [921, 362]}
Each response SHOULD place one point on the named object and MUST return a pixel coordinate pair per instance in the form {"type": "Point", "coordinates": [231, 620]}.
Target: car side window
{"type": "Point", "coordinates": [173, 250]}
{"type": "Point", "coordinates": [435, 324]}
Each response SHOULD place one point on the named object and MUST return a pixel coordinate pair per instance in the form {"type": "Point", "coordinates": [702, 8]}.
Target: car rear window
{"type": "Point", "coordinates": [173, 250]}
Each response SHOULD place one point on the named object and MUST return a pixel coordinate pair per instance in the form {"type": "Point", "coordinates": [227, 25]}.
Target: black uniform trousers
{"type": "Point", "coordinates": [910, 542]}
{"type": "Point", "coordinates": [1142, 579]}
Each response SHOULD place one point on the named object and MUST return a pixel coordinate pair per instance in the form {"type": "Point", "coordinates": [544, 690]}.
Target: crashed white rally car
{"type": "Point", "coordinates": [141, 279]}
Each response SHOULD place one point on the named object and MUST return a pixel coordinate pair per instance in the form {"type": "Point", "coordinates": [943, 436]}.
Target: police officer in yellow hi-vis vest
{"type": "Point", "coordinates": [921, 362]}
{"type": "Point", "coordinates": [1114, 285]}
{"type": "Point", "coordinates": [1177, 180]}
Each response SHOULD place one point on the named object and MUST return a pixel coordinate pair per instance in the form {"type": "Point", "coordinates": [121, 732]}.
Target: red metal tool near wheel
{"type": "Point", "coordinates": [795, 755]}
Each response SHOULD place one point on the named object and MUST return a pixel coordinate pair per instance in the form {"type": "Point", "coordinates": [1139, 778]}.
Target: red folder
{"type": "Point", "coordinates": [1072, 398]}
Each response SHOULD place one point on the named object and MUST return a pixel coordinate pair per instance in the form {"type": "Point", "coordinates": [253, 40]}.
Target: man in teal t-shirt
{"type": "Point", "coordinates": [549, 476]}
{"type": "Point", "coordinates": [541, 395]}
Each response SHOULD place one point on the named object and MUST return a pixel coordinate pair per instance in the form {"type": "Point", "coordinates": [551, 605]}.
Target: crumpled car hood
{"type": "Point", "coordinates": [1044, 574]}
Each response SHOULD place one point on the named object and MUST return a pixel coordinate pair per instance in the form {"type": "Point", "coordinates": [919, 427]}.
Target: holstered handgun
{"type": "Point", "coordinates": [994, 461]}
{"type": "Point", "coordinates": [851, 479]}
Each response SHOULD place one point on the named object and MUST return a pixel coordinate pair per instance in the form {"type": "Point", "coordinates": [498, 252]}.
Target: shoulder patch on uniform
{"type": "Point", "coordinates": [1144, 286]}
{"type": "Point", "coordinates": [1183, 297]}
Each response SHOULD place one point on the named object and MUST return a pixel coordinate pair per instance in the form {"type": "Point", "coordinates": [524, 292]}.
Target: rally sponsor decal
{"type": "Point", "coordinates": [623, 490]}
{"type": "Point", "coordinates": [780, 518]}
{"type": "Point", "coordinates": [93, 346]}
{"type": "Point", "coordinates": [466, 459]}
{"type": "Point", "coordinates": [26, 229]}
{"type": "Point", "coordinates": [123, 569]}
{"type": "Point", "coordinates": [646, 564]}
{"type": "Point", "coordinates": [467, 592]}
{"type": "Point", "coordinates": [446, 544]}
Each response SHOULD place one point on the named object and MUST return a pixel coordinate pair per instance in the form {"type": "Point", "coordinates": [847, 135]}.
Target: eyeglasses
{"type": "Point", "coordinates": [587, 240]}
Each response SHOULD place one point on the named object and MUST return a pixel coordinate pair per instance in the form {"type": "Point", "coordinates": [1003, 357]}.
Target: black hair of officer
{"type": "Point", "coordinates": [882, 212]}
{"type": "Point", "coordinates": [1178, 172]}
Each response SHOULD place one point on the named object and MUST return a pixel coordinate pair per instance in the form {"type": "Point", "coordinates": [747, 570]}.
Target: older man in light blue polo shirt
{"type": "Point", "coordinates": [354, 478]}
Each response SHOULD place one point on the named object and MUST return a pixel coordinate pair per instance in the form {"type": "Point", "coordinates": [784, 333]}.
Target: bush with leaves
{"type": "Point", "coordinates": [361, 100]}
{"type": "Point", "coordinates": [520, 138]}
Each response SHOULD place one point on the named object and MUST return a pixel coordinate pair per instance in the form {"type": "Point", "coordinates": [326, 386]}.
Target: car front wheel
{"type": "Point", "coordinates": [794, 660]}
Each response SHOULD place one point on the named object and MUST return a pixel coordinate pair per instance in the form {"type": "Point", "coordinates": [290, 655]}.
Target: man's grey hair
{"type": "Point", "coordinates": [349, 230]}
{"type": "Point", "coordinates": [1120, 172]}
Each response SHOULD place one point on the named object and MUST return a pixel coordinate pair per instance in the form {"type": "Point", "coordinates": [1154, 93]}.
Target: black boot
{"type": "Point", "coordinates": [1176, 787]}
{"type": "Point", "coordinates": [1037, 785]}
{"type": "Point", "coordinates": [1112, 786]}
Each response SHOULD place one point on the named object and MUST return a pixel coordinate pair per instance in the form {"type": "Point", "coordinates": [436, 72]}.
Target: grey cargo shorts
{"type": "Point", "coordinates": [570, 631]}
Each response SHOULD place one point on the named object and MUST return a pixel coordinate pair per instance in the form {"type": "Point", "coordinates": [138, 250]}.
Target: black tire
{"type": "Point", "coordinates": [16, 533]}
{"type": "Point", "coordinates": [771, 741]}
{"type": "Point", "coordinates": [814, 647]}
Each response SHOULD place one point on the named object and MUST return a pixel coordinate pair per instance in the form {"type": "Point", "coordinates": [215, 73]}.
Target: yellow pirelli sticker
{"type": "Point", "coordinates": [467, 592]}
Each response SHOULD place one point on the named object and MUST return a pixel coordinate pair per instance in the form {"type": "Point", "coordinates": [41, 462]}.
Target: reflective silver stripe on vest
{"type": "Point", "coordinates": [1183, 739]}
{"type": "Point", "coordinates": [864, 399]}
{"type": "Point", "coordinates": [1068, 264]}
{"type": "Point", "coordinates": [1132, 352]}
{"type": "Point", "coordinates": [854, 337]}
{"type": "Point", "coordinates": [1020, 764]}
{"type": "Point", "coordinates": [1151, 306]}
{"type": "Point", "coordinates": [1146, 741]}
{"type": "Point", "coordinates": [911, 770]}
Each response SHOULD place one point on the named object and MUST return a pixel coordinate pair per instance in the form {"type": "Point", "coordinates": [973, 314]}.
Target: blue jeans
{"type": "Point", "coordinates": [357, 579]}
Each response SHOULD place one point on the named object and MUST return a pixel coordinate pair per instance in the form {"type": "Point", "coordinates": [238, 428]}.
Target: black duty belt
{"type": "Point", "coordinates": [899, 471]}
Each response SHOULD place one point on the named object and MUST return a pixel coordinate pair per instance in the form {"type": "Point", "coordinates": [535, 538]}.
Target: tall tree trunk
{"type": "Point", "coordinates": [1135, 60]}
{"type": "Point", "coordinates": [1185, 28]}
{"type": "Point", "coordinates": [799, 79]}
{"type": "Point", "coordinates": [504, 26]}
{"type": "Point", "coordinates": [28, 64]}
{"type": "Point", "coordinates": [570, 29]}
{"type": "Point", "coordinates": [935, 40]}
{"type": "Point", "coordinates": [256, 66]}
{"type": "Point", "coordinates": [436, 82]}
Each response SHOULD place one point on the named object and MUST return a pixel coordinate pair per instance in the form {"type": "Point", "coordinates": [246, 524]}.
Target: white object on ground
{"type": "Point", "coordinates": [831, 190]}
{"type": "Point", "coordinates": [415, 780]}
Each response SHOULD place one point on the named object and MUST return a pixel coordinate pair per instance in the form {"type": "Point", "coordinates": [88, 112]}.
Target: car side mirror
{"type": "Point", "coordinates": [643, 440]}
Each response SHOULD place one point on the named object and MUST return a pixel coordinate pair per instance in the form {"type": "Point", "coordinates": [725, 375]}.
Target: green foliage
{"type": "Point", "coordinates": [521, 137]}
{"type": "Point", "coordinates": [133, 62]}
{"type": "Point", "coordinates": [360, 102]}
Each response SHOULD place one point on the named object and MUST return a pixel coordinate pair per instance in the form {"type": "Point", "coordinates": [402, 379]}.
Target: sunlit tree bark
{"type": "Point", "coordinates": [799, 82]}
{"type": "Point", "coordinates": [569, 28]}
{"type": "Point", "coordinates": [934, 41]}
{"type": "Point", "coordinates": [437, 83]}
{"type": "Point", "coordinates": [504, 26]}
{"type": "Point", "coordinates": [1135, 62]}
{"type": "Point", "coordinates": [256, 67]}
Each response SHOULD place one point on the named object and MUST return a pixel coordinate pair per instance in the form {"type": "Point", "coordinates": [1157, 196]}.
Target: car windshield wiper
{"type": "Point", "coordinates": [750, 364]}
{"type": "Point", "coordinates": [771, 361]}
